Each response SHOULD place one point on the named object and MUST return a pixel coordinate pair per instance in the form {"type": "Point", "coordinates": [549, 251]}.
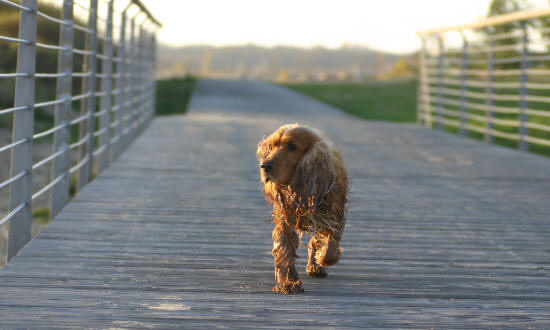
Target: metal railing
{"type": "Point", "coordinates": [489, 79]}
{"type": "Point", "coordinates": [116, 100]}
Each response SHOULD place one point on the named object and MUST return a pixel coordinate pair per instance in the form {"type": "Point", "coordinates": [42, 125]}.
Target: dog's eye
{"type": "Point", "coordinates": [292, 147]}
{"type": "Point", "coordinates": [270, 147]}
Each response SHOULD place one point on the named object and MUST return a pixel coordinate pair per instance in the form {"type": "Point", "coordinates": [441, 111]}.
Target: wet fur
{"type": "Point", "coordinates": [313, 201]}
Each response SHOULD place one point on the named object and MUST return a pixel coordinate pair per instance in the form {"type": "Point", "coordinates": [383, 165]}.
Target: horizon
{"type": "Point", "coordinates": [312, 47]}
{"type": "Point", "coordinates": [388, 27]}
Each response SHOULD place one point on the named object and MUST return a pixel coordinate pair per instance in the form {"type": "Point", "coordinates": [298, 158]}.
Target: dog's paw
{"type": "Point", "coordinates": [316, 270]}
{"type": "Point", "coordinates": [288, 287]}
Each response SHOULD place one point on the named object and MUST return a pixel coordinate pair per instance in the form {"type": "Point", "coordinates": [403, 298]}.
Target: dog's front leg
{"type": "Point", "coordinates": [313, 268]}
{"type": "Point", "coordinates": [285, 244]}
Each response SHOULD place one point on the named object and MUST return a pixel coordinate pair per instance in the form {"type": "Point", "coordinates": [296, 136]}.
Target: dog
{"type": "Point", "coordinates": [306, 182]}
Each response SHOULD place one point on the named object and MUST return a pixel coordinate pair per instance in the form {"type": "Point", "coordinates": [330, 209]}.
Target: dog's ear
{"type": "Point", "coordinates": [314, 174]}
{"type": "Point", "coordinates": [269, 189]}
{"type": "Point", "coordinates": [263, 149]}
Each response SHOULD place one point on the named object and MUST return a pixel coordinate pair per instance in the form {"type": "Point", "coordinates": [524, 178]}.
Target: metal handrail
{"type": "Point", "coordinates": [52, 19]}
{"type": "Point", "coordinates": [144, 9]}
{"type": "Point", "coordinates": [12, 213]}
{"type": "Point", "coordinates": [13, 179]}
{"type": "Point", "coordinates": [48, 186]}
{"type": "Point", "coordinates": [23, 41]}
{"type": "Point", "coordinates": [48, 159]}
{"type": "Point", "coordinates": [491, 21]}
{"type": "Point", "coordinates": [79, 142]}
{"type": "Point", "coordinates": [50, 131]}
{"type": "Point", "coordinates": [15, 5]}
{"type": "Point", "coordinates": [127, 67]}
{"type": "Point", "coordinates": [450, 76]}
{"type": "Point", "coordinates": [13, 75]}
{"type": "Point", "coordinates": [13, 145]}
{"type": "Point", "coordinates": [13, 109]}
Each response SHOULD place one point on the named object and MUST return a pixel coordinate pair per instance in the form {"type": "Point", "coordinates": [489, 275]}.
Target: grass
{"type": "Point", "coordinates": [41, 216]}
{"type": "Point", "coordinates": [174, 95]}
{"type": "Point", "coordinates": [397, 101]}
{"type": "Point", "coordinates": [393, 100]}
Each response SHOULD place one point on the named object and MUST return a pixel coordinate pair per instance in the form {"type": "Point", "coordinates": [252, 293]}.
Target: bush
{"type": "Point", "coordinates": [174, 95]}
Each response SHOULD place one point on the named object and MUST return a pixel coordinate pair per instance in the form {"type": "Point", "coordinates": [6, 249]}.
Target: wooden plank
{"type": "Point", "coordinates": [175, 233]}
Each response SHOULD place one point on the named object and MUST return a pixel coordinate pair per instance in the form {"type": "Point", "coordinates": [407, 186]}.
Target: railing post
{"type": "Point", "coordinates": [62, 138]}
{"type": "Point", "coordinates": [146, 79]}
{"type": "Point", "coordinates": [489, 126]}
{"type": "Point", "coordinates": [18, 221]}
{"type": "Point", "coordinates": [151, 79]}
{"type": "Point", "coordinates": [130, 97]}
{"type": "Point", "coordinates": [106, 88]}
{"type": "Point", "coordinates": [523, 130]}
{"type": "Point", "coordinates": [92, 59]}
{"type": "Point", "coordinates": [19, 232]}
{"type": "Point", "coordinates": [154, 87]}
{"type": "Point", "coordinates": [89, 103]}
{"type": "Point", "coordinates": [120, 86]}
{"type": "Point", "coordinates": [441, 67]}
{"type": "Point", "coordinates": [138, 84]}
{"type": "Point", "coordinates": [463, 75]}
{"type": "Point", "coordinates": [142, 79]}
{"type": "Point", "coordinates": [421, 82]}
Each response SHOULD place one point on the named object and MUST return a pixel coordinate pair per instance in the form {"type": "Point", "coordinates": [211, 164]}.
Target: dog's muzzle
{"type": "Point", "coordinates": [267, 167]}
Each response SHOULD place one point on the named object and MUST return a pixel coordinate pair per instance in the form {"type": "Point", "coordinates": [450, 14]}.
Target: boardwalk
{"type": "Point", "coordinates": [443, 231]}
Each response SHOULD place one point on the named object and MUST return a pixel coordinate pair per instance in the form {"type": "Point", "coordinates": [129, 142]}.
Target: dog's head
{"type": "Point", "coordinates": [296, 156]}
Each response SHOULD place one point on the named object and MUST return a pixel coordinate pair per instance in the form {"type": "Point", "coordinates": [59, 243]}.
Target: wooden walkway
{"type": "Point", "coordinates": [442, 231]}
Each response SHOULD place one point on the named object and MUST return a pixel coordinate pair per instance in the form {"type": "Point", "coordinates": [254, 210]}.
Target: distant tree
{"type": "Point", "coordinates": [544, 23]}
{"type": "Point", "coordinates": [405, 67]}
{"type": "Point", "coordinates": [501, 7]}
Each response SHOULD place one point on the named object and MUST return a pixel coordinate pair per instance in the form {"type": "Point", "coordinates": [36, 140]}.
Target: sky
{"type": "Point", "coordinates": [385, 25]}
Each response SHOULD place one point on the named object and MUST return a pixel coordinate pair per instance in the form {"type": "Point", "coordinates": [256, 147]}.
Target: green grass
{"type": "Point", "coordinates": [373, 100]}
{"type": "Point", "coordinates": [41, 216]}
{"type": "Point", "coordinates": [174, 95]}
{"type": "Point", "coordinates": [397, 101]}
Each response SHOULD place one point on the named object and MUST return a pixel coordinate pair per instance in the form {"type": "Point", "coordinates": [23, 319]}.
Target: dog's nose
{"type": "Point", "coordinates": [268, 166]}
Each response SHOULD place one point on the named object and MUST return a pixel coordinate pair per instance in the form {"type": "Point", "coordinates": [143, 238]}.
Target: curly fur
{"type": "Point", "coordinates": [307, 188]}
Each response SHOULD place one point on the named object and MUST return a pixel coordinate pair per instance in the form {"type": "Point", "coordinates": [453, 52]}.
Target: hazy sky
{"type": "Point", "coordinates": [387, 25]}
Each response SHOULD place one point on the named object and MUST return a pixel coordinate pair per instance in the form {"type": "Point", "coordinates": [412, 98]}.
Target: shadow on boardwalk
{"type": "Point", "coordinates": [442, 231]}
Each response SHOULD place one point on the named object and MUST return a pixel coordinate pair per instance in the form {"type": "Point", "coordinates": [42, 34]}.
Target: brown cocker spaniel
{"type": "Point", "coordinates": [306, 182]}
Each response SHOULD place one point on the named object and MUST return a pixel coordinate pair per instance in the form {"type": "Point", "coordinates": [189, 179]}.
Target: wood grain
{"type": "Point", "coordinates": [443, 231]}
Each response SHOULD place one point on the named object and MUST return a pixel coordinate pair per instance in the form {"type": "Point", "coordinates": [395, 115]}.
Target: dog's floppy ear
{"type": "Point", "coordinates": [263, 149]}
{"type": "Point", "coordinates": [314, 174]}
